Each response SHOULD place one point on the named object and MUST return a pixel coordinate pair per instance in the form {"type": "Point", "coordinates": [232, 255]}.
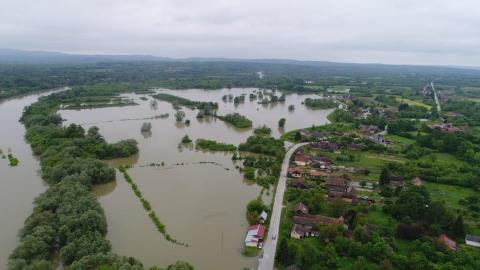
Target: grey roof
{"type": "Point", "coordinates": [472, 238]}
{"type": "Point", "coordinates": [264, 215]}
{"type": "Point", "coordinates": [292, 267]}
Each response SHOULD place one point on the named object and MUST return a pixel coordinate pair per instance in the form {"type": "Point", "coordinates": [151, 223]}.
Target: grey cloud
{"type": "Point", "coordinates": [388, 31]}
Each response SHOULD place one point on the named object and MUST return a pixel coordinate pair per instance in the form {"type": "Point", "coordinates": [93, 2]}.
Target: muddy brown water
{"type": "Point", "coordinates": [198, 195]}
{"type": "Point", "coordinates": [18, 185]}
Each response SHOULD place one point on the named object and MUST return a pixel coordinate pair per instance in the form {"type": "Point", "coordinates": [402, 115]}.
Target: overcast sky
{"type": "Point", "coordinates": [384, 31]}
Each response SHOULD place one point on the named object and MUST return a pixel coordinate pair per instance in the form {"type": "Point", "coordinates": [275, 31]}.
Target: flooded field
{"type": "Point", "coordinates": [200, 196]}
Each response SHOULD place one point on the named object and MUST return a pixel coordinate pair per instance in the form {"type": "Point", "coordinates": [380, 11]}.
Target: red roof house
{"type": "Point", "coordinates": [255, 235]}
{"type": "Point", "coordinates": [447, 242]}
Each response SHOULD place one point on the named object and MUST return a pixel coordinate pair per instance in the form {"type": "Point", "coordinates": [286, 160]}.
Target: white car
{"type": "Point", "coordinates": [274, 236]}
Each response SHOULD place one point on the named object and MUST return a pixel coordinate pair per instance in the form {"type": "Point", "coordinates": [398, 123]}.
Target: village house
{"type": "Point", "coordinates": [301, 160]}
{"type": "Point", "coordinates": [294, 172]}
{"type": "Point", "coordinates": [416, 181]}
{"type": "Point", "coordinates": [293, 267]}
{"type": "Point", "coordinates": [368, 130]}
{"type": "Point", "coordinates": [384, 114]}
{"type": "Point", "coordinates": [305, 134]}
{"type": "Point", "coordinates": [255, 235]}
{"type": "Point", "coordinates": [351, 192]}
{"type": "Point", "coordinates": [321, 162]}
{"type": "Point", "coordinates": [312, 220]}
{"type": "Point", "coordinates": [362, 199]}
{"type": "Point", "coordinates": [304, 220]}
{"type": "Point", "coordinates": [336, 186]}
{"type": "Point", "coordinates": [445, 127]}
{"type": "Point", "coordinates": [301, 209]}
{"type": "Point", "coordinates": [365, 113]}
{"type": "Point", "coordinates": [354, 147]}
{"type": "Point", "coordinates": [326, 146]}
{"type": "Point", "coordinates": [298, 183]}
{"type": "Point", "coordinates": [317, 174]}
{"type": "Point", "coordinates": [300, 151]}
{"type": "Point", "coordinates": [397, 181]}
{"type": "Point", "coordinates": [308, 135]}
{"type": "Point", "coordinates": [378, 139]}
{"type": "Point", "coordinates": [447, 242]}
{"type": "Point", "coordinates": [304, 225]}
{"type": "Point", "coordinates": [298, 232]}
{"type": "Point", "coordinates": [472, 240]}
{"type": "Point", "coordinates": [262, 218]}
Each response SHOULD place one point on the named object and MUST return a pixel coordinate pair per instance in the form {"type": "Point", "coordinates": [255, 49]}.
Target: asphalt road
{"type": "Point", "coordinates": [436, 97]}
{"type": "Point", "coordinates": [266, 261]}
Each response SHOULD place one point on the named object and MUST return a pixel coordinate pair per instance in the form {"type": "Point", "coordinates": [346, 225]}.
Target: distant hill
{"type": "Point", "coordinates": [12, 56]}
{"type": "Point", "coordinates": [31, 57]}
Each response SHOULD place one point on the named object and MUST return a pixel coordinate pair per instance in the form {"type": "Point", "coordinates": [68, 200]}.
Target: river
{"type": "Point", "coordinates": [200, 196]}
{"type": "Point", "coordinates": [18, 185]}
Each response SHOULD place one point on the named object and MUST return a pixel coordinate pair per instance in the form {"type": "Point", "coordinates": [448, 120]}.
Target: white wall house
{"type": "Point", "coordinates": [472, 240]}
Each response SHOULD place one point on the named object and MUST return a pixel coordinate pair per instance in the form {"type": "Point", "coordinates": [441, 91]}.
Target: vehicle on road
{"type": "Point", "coordinates": [274, 236]}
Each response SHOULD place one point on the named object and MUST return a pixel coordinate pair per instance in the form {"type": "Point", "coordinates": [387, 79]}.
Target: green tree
{"type": "Point", "coordinates": [458, 228]}
{"type": "Point", "coordinates": [249, 173]}
{"type": "Point", "coordinates": [281, 122]}
{"type": "Point", "coordinates": [384, 176]}
{"type": "Point", "coordinates": [284, 255]}
{"type": "Point", "coordinates": [180, 265]}
{"type": "Point", "coordinates": [298, 136]}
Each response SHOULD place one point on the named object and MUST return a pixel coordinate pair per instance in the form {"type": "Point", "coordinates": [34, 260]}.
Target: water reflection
{"type": "Point", "coordinates": [104, 189]}
{"type": "Point", "coordinates": [146, 134]}
{"type": "Point", "coordinates": [128, 161]}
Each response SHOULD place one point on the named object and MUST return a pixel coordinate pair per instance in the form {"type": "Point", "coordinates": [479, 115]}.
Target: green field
{"type": "Point", "coordinates": [444, 158]}
{"type": "Point", "coordinates": [400, 139]}
{"type": "Point", "coordinates": [373, 162]}
{"type": "Point", "coordinates": [339, 88]}
{"type": "Point", "coordinates": [314, 87]}
{"type": "Point", "coordinates": [413, 102]}
{"type": "Point", "coordinates": [380, 218]}
{"type": "Point", "coordinates": [451, 195]}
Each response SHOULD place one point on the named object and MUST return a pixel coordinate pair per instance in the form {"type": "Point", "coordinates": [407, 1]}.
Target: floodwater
{"type": "Point", "coordinates": [18, 185]}
{"type": "Point", "coordinates": [201, 204]}
{"type": "Point", "coordinates": [200, 196]}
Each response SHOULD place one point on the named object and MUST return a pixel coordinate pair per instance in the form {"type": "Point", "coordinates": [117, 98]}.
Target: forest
{"type": "Point", "coordinates": [16, 79]}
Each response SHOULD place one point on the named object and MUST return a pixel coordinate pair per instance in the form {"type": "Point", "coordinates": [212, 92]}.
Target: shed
{"type": "Point", "coordinates": [472, 240]}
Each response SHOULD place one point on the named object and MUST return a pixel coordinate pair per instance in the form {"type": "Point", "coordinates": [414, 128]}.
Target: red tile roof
{"type": "Point", "coordinates": [302, 208]}
{"type": "Point", "coordinates": [260, 230]}
{"type": "Point", "coordinates": [302, 158]}
{"type": "Point", "coordinates": [317, 219]}
{"type": "Point", "coordinates": [315, 173]}
{"type": "Point", "coordinates": [336, 181]}
{"type": "Point", "coordinates": [449, 243]}
{"type": "Point", "coordinates": [417, 181]}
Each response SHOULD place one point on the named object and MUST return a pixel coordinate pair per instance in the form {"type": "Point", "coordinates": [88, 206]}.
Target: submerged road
{"type": "Point", "coordinates": [266, 261]}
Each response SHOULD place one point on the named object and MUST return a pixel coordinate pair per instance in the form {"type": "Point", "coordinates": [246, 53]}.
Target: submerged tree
{"type": "Point", "coordinates": [281, 122]}
{"type": "Point", "coordinates": [186, 139]}
{"type": "Point", "coordinates": [179, 115]}
{"type": "Point", "coordinates": [146, 127]}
